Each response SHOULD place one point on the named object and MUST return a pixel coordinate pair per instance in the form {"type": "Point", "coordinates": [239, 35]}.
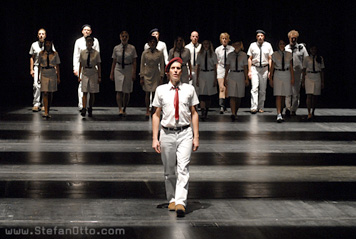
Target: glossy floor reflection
{"type": "Point", "coordinates": [252, 178]}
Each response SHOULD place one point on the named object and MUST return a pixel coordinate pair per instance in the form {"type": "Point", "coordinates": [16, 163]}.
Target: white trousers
{"type": "Point", "coordinates": [292, 101]}
{"type": "Point", "coordinates": [176, 148]}
{"type": "Point", "coordinates": [259, 85]}
{"type": "Point", "coordinates": [36, 89]}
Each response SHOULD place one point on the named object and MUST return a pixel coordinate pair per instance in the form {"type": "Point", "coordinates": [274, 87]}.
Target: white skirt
{"type": "Point", "coordinates": [282, 83]}
{"type": "Point", "coordinates": [313, 84]}
{"type": "Point", "coordinates": [206, 83]}
{"type": "Point", "coordinates": [48, 80]}
{"type": "Point", "coordinates": [236, 84]}
{"type": "Point", "coordinates": [90, 83]}
{"type": "Point", "coordinates": [123, 79]}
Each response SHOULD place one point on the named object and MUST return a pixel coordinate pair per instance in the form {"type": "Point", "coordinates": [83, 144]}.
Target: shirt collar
{"type": "Point", "coordinates": [172, 86]}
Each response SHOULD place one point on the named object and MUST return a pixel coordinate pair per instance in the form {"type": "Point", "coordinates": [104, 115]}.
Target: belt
{"type": "Point", "coordinates": [88, 67]}
{"type": "Point", "coordinates": [238, 71]}
{"type": "Point", "coordinates": [48, 67]}
{"type": "Point", "coordinates": [260, 66]}
{"type": "Point", "coordinates": [177, 128]}
{"type": "Point", "coordinates": [282, 69]}
{"type": "Point", "coordinates": [207, 70]}
{"type": "Point", "coordinates": [124, 63]}
{"type": "Point", "coordinates": [314, 72]}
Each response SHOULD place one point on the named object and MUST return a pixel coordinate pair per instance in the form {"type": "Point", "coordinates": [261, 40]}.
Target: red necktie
{"type": "Point", "coordinates": [176, 103]}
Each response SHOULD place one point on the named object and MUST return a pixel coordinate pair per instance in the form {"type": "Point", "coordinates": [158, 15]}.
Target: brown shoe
{"type": "Point", "coordinates": [180, 210]}
{"type": "Point", "coordinates": [172, 206]}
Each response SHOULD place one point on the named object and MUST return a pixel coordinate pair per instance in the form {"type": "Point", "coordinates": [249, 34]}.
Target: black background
{"type": "Point", "coordinates": [328, 24]}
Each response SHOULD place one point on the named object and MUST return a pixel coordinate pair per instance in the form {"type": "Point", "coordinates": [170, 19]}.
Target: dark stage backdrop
{"type": "Point", "coordinates": [328, 24]}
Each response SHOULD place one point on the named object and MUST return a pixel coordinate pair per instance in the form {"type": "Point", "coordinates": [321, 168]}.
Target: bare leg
{"type": "Point", "coordinates": [233, 105]}
{"type": "Point", "coordinates": [309, 105]}
{"type": "Point", "coordinates": [91, 100]}
{"type": "Point", "coordinates": [84, 99]}
{"type": "Point", "coordinates": [126, 100]}
{"type": "Point", "coordinates": [45, 102]}
{"type": "Point", "coordinates": [119, 101]}
{"type": "Point", "coordinates": [147, 101]}
{"type": "Point", "coordinates": [314, 103]}
{"type": "Point", "coordinates": [278, 104]}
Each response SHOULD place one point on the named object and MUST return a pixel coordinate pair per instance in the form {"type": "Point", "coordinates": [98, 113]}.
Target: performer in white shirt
{"type": "Point", "coordinates": [89, 74]}
{"type": "Point", "coordinates": [194, 47]}
{"type": "Point", "coordinates": [35, 50]}
{"type": "Point", "coordinates": [206, 76]}
{"type": "Point", "coordinates": [161, 46]}
{"type": "Point", "coordinates": [313, 79]}
{"type": "Point", "coordinates": [80, 45]}
{"type": "Point", "coordinates": [281, 77]}
{"type": "Point", "coordinates": [180, 51]}
{"type": "Point", "coordinates": [222, 52]}
{"type": "Point", "coordinates": [299, 52]}
{"type": "Point", "coordinates": [259, 62]}
{"type": "Point", "coordinates": [123, 71]}
{"type": "Point", "coordinates": [177, 102]}
{"type": "Point", "coordinates": [236, 77]}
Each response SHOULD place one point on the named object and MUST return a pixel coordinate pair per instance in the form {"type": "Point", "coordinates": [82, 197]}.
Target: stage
{"type": "Point", "coordinates": [253, 178]}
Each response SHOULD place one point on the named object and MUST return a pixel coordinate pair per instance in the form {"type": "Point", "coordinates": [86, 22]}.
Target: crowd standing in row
{"type": "Point", "coordinates": [225, 71]}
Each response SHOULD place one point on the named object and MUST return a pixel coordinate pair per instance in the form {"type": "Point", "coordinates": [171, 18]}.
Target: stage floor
{"type": "Point", "coordinates": [253, 178]}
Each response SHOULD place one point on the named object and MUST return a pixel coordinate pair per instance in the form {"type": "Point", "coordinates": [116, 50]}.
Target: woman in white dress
{"type": "Point", "coordinates": [50, 74]}
{"type": "Point", "coordinates": [236, 77]}
{"type": "Point", "coordinates": [123, 71]}
{"type": "Point", "coordinates": [281, 77]}
{"type": "Point", "coordinates": [180, 51]}
{"type": "Point", "coordinates": [313, 79]}
{"type": "Point", "coordinates": [151, 70]}
{"type": "Point", "coordinates": [206, 76]}
{"type": "Point", "coordinates": [89, 74]}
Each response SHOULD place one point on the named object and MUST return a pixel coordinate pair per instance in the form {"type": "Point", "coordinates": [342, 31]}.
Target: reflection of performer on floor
{"type": "Point", "coordinates": [177, 101]}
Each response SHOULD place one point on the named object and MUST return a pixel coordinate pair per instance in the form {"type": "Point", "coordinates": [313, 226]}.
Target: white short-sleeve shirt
{"type": "Point", "coordinates": [254, 51]}
{"type": "Point", "coordinates": [164, 98]}
{"type": "Point", "coordinates": [299, 53]}
{"type": "Point", "coordinates": [79, 46]}
{"type": "Point", "coordinates": [308, 64]}
{"type": "Point", "coordinates": [277, 59]}
{"type": "Point", "coordinates": [241, 58]}
{"type": "Point", "coordinates": [35, 50]}
{"type": "Point", "coordinates": [161, 46]}
{"type": "Point", "coordinates": [193, 49]}
{"type": "Point", "coordinates": [211, 61]}
{"type": "Point", "coordinates": [220, 53]}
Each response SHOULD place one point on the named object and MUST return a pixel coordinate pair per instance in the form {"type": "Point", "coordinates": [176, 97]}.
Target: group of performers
{"type": "Point", "coordinates": [225, 71]}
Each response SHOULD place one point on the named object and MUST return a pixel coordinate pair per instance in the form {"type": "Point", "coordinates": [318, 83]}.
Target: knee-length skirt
{"type": "Point", "coordinates": [282, 83]}
{"type": "Point", "coordinates": [123, 79]}
{"type": "Point", "coordinates": [206, 83]}
{"type": "Point", "coordinates": [48, 80]}
{"type": "Point", "coordinates": [236, 84]}
{"type": "Point", "coordinates": [313, 84]}
{"type": "Point", "coordinates": [90, 83]}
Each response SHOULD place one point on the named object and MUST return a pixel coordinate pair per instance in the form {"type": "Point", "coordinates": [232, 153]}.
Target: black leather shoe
{"type": "Point", "coordinates": [90, 112]}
